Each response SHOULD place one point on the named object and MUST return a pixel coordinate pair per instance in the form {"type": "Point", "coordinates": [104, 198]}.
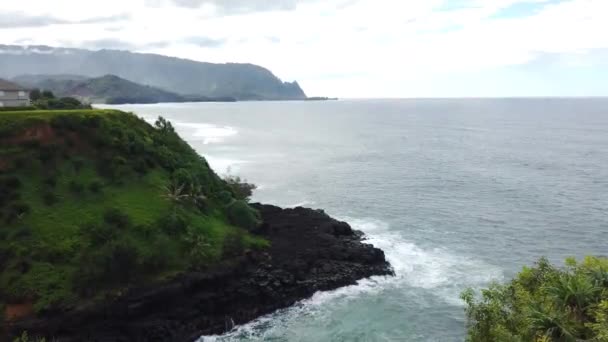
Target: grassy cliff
{"type": "Point", "coordinates": [95, 201]}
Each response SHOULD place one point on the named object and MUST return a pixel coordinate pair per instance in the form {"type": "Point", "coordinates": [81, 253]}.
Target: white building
{"type": "Point", "coordinates": [13, 95]}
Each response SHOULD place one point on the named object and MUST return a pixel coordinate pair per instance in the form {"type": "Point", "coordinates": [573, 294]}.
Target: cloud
{"type": "Point", "coordinates": [205, 41]}
{"type": "Point", "coordinates": [339, 47]}
{"type": "Point", "coordinates": [232, 6]}
{"type": "Point", "coordinates": [116, 44]}
{"type": "Point", "coordinates": [21, 20]}
{"type": "Point", "coordinates": [106, 43]}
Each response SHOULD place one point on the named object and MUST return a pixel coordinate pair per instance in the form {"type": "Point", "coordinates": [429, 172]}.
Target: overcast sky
{"type": "Point", "coordinates": [350, 48]}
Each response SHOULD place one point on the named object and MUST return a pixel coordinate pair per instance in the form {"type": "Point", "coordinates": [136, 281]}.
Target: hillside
{"type": "Point", "coordinates": [106, 89]}
{"type": "Point", "coordinates": [181, 76]}
{"type": "Point", "coordinates": [113, 229]}
{"type": "Point", "coordinates": [92, 201]}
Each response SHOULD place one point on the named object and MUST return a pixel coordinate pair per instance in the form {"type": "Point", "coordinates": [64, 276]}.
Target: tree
{"type": "Point", "coordinates": [543, 303]}
{"type": "Point", "coordinates": [47, 94]}
{"type": "Point", "coordinates": [241, 189]}
{"type": "Point", "coordinates": [35, 95]}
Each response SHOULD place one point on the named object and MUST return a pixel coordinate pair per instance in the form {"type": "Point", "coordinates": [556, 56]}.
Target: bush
{"type": "Point", "coordinates": [111, 264]}
{"type": "Point", "coordinates": [9, 183]}
{"type": "Point", "coordinates": [234, 245]}
{"type": "Point", "coordinates": [76, 188]}
{"type": "Point", "coordinates": [78, 163]}
{"type": "Point", "coordinates": [98, 234]}
{"type": "Point", "coordinates": [50, 181]}
{"type": "Point", "coordinates": [21, 233]}
{"type": "Point", "coordinates": [241, 189]}
{"type": "Point", "coordinates": [20, 162]}
{"type": "Point", "coordinates": [184, 178]}
{"type": "Point", "coordinates": [543, 303]}
{"type": "Point", "coordinates": [95, 187]}
{"type": "Point", "coordinates": [242, 215]}
{"type": "Point", "coordinates": [173, 224]}
{"type": "Point", "coordinates": [46, 154]}
{"type": "Point", "coordinates": [225, 197]}
{"type": "Point", "coordinates": [49, 198]}
{"type": "Point", "coordinates": [116, 218]}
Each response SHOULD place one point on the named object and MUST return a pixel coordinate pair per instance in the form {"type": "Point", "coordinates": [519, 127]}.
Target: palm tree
{"type": "Point", "coordinates": [175, 192]}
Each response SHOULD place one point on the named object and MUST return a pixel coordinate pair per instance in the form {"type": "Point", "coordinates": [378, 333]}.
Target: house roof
{"type": "Point", "coordinates": [6, 85]}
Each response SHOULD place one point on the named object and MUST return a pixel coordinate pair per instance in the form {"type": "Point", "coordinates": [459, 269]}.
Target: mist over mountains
{"type": "Point", "coordinates": [180, 76]}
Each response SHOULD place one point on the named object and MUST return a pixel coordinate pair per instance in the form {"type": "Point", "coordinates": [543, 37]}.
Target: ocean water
{"type": "Point", "coordinates": [458, 193]}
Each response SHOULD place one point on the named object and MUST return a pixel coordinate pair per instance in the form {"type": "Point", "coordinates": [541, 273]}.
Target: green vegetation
{"type": "Point", "coordinates": [241, 188]}
{"type": "Point", "coordinates": [25, 338]}
{"type": "Point", "coordinates": [47, 100]}
{"type": "Point", "coordinates": [544, 303]}
{"type": "Point", "coordinates": [95, 201]}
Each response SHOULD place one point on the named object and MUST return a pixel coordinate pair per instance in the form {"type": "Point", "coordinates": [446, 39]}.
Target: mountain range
{"type": "Point", "coordinates": [175, 75]}
{"type": "Point", "coordinates": [109, 89]}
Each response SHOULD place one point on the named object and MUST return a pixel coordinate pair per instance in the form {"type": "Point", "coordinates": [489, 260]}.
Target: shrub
{"type": "Point", "coordinates": [116, 218]}
{"type": "Point", "coordinates": [242, 215]}
{"type": "Point", "coordinates": [159, 256]}
{"type": "Point", "coordinates": [164, 125]}
{"type": "Point", "coordinates": [183, 177]}
{"type": "Point", "coordinates": [21, 233]}
{"type": "Point", "coordinates": [49, 198]}
{"type": "Point", "coordinates": [9, 183]}
{"type": "Point", "coordinates": [111, 264]}
{"type": "Point", "coordinates": [95, 187]}
{"type": "Point", "coordinates": [234, 245]}
{"type": "Point", "coordinates": [15, 212]}
{"type": "Point", "coordinates": [241, 189]}
{"type": "Point", "coordinates": [78, 163]}
{"type": "Point", "coordinates": [98, 234]}
{"type": "Point", "coordinates": [225, 197]}
{"type": "Point", "coordinates": [173, 224]}
{"type": "Point", "coordinates": [20, 162]}
{"type": "Point", "coordinates": [140, 166]}
{"type": "Point", "coordinates": [50, 181]}
{"type": "Point", "coordinates": [543, 303]}
{"type": "Point", "coordinates": [46, 154]}
{"type": "Point", "coordinates": [197, 247]}
{"type": "Point", "coordinates": [75, 187]}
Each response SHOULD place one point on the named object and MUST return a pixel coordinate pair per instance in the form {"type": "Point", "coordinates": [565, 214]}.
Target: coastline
{"type": "Point", "coordinates": [309, 252]}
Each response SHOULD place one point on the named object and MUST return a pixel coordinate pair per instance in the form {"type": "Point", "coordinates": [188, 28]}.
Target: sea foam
{"type": "Point", "coordinates": [442, 273]}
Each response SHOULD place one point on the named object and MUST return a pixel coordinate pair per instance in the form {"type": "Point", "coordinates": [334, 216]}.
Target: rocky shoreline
{"type": "Point", "coordinates": [309, 252]}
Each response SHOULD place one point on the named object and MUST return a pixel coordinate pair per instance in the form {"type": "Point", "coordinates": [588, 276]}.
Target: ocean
{"type": "Point", "coordinates": [457, 192]}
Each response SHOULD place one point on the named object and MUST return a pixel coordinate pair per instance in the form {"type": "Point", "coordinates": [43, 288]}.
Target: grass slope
{"type": "Point", "coordinates": [95, 201]}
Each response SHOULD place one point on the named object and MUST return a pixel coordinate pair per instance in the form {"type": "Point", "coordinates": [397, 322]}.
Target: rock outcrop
{"type": "Point", "coordinates": [309, 252]}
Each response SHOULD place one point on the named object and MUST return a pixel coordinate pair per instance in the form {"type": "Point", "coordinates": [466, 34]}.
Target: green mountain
{"type": "Point", "coordinates": [180, 76]}
{"type": "Point", "coordinates": [106, 89]}
{"type": "Point", "coordinates": [96, 201]}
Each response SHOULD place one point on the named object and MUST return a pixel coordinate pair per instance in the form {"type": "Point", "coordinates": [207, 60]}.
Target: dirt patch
{"type": "Point", "coordinates": [43, 133]}
{"type": "Point", "coordinates": [14, 312]}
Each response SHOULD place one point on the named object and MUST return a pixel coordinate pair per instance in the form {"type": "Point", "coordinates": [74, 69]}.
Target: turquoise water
{"type": "Point", "coordinates": [456, 192]}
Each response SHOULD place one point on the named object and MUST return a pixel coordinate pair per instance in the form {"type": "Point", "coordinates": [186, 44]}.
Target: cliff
{"type": "Point", "coordinates": [114, 229]}
{"type": "Point", "coordinates": [181, 76]}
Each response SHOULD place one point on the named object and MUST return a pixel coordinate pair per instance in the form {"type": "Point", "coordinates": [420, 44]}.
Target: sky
{"type": "Point", "coordinates": [350, 48]}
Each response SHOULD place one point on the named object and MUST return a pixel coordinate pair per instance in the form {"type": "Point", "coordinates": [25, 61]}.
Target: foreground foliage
{"type": "Point", "coordinates": [47, 100]}
{"type": "Point", "coordinates": [95, 201]}
{"type": "Point", "coordinates": [544, 303]}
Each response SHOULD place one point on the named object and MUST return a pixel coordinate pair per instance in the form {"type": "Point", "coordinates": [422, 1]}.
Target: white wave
{"type": "Point", "coordinates": [437, 270]}
{"type": "Point", "coordinates": [304, 203]}
{"type": "Point", "coordinates": [209, 133]}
